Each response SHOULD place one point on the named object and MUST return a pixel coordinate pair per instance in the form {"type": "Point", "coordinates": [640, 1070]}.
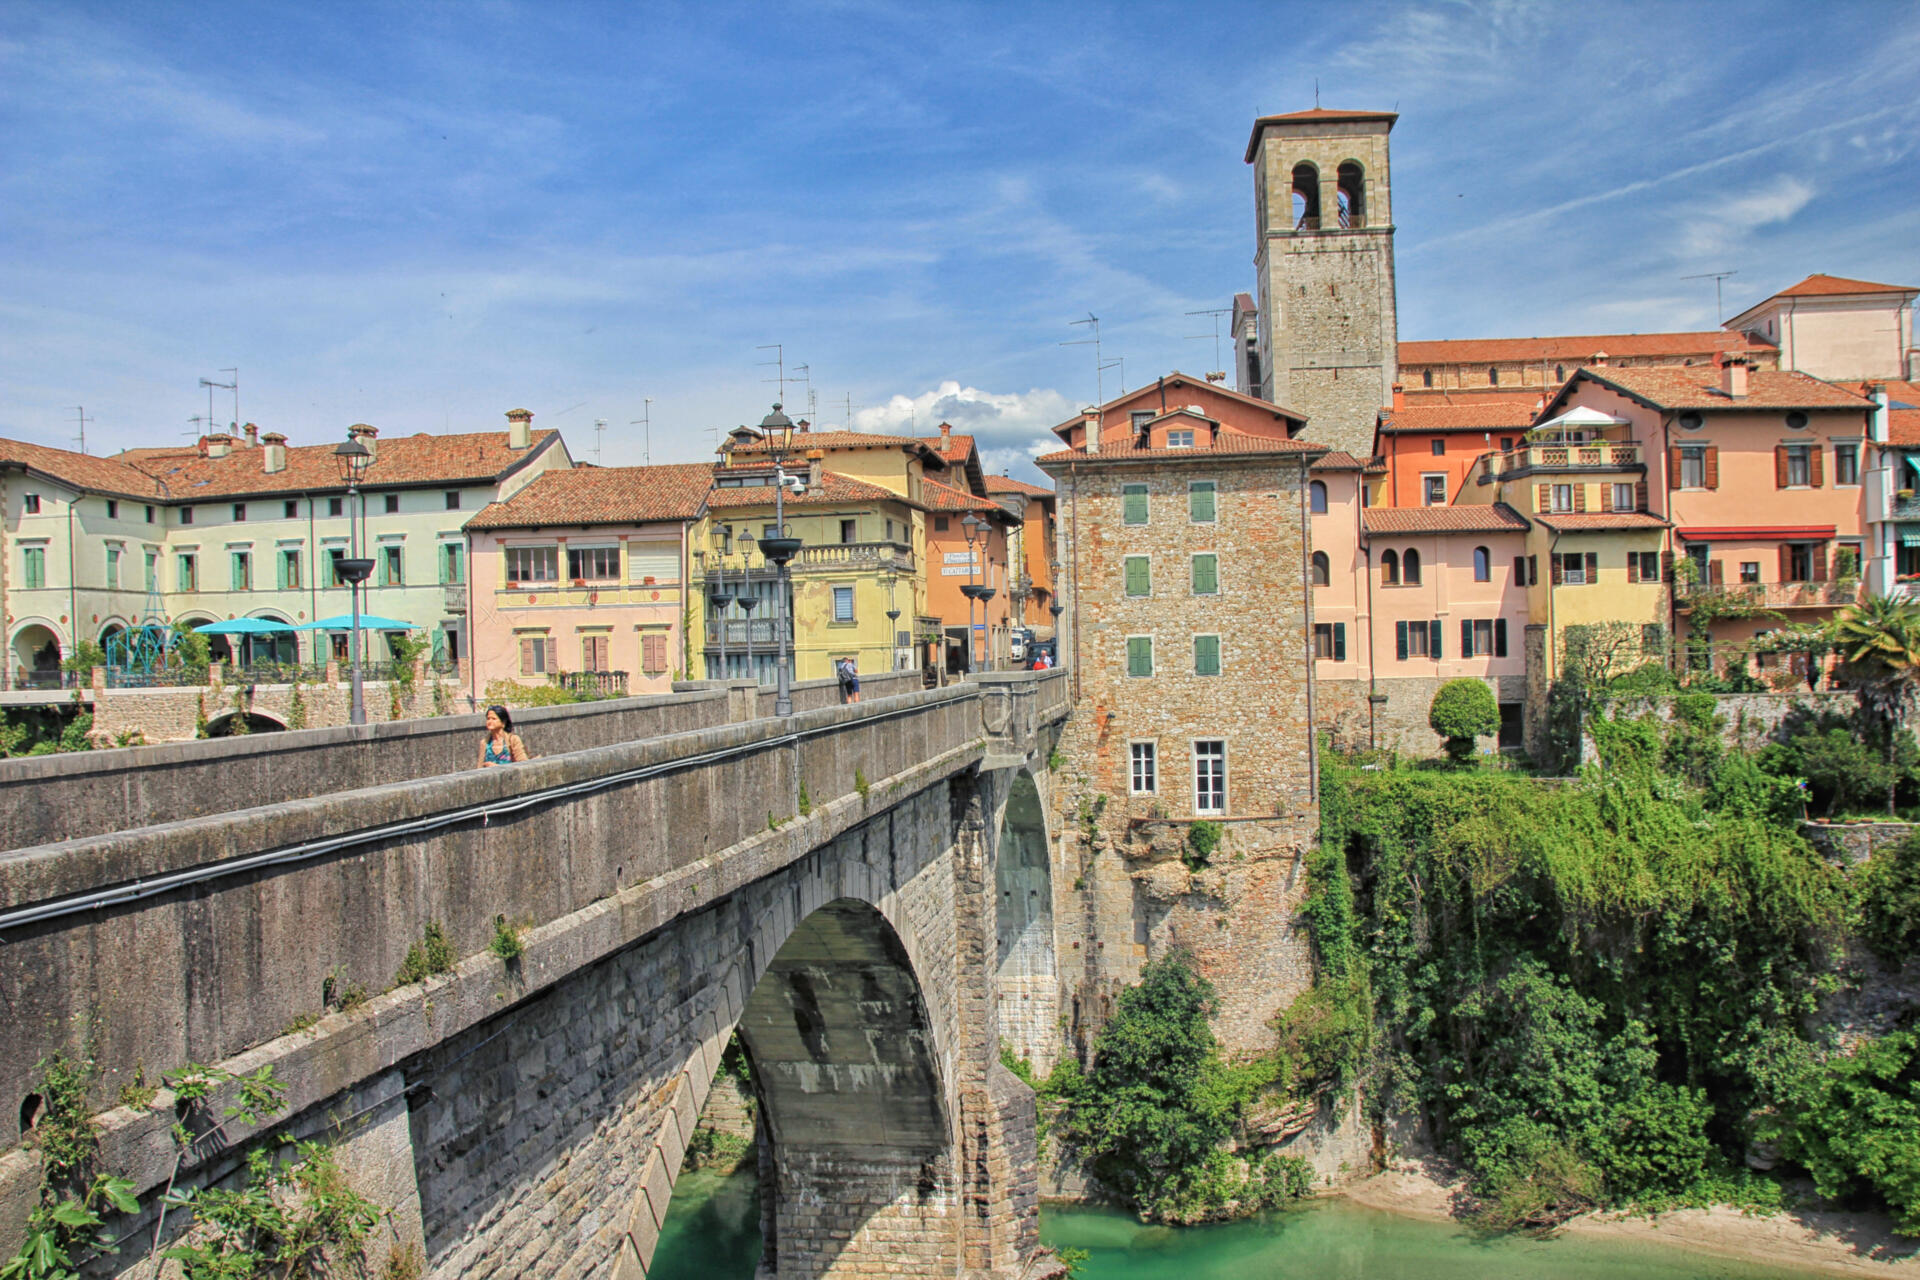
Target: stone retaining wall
{"type": "Point", "coordinates": [1851, 843]}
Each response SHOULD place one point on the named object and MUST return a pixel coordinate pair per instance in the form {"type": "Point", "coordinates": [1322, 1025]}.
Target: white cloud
{"type": "Point", "coordinates": [1009, 428]}
{"type": "Point", "coordinates": [1725, 223]}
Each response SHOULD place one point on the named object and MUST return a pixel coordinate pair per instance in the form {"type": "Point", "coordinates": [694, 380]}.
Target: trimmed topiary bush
{"type": "Point", "coordinates": [1461, 711]}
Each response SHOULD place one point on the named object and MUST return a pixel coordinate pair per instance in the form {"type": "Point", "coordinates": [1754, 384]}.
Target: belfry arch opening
{"type": "Point", "coordinates": [1023, 926]}
{"type": "Point", "coordinates": [850, 1101]}
{"type": "Point", "coordinates": [1306, 197]}
{"type": "Point", "coordinates": [1351, 190]}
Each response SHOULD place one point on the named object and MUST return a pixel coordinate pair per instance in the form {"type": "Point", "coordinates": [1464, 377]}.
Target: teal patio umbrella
{"type": "Point", "coordinates": [368, 622]}
{"type": "Point", "coordinates": [243, 627]}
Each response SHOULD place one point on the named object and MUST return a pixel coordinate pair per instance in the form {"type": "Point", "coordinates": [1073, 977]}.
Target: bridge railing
{"type": "Point", "coordinates": [199, 941]}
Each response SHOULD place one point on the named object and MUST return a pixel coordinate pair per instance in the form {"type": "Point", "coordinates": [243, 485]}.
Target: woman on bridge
{"type": "Point", "coordinates": [501, 745]}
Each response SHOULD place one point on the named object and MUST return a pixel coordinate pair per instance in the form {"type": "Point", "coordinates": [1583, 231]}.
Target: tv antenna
{"type": "Point", "coordinates": [599, 438]}
{"type": "Point", "coordinates": [198, 426]}
{"type": "Point", "coordinates": [1216, 313]}
{"type": "Point", "coordinates": [779, 359]}
{"type": "Point", "coordinates": [1099, 369]}
{"type": "Point", "coordinates": [1120, 363]}
{"type": "Point", "coordinates": [1719, 308]}
{"type": "Point", "coordinates": [233, 386]}
{"type": "Point", "coordinates": [81, 410]}
{"type": "Point", "coordinates": [804, 373]}
{"type": "Point", "coordinates": [645, 423]}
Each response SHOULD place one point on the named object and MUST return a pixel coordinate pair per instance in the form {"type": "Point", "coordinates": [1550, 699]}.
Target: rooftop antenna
{"type": "Point", "coordinates": [236, 396]}
{"type": "Point", "coordinates": [1216, 313]}
{"type": "Point", "coordinates": [81, 410]}
{"type": "Point", "coordinates": [807, 370]}
{"type": "Point", "coordinates": [198, 429]}
{"type": "Point", "coordinates": [1316, 93]}
{"type": "Point", "coordinates": [780, 359]}
{"type": "Point", "coordinates": [645, 423]}
{"type": "Point", "coordinates": [1120, 363]}
{"type": "Point", "coordinates": [1719, 308]}
{"type": "Point", "coordinates": [599, 438]}
{"type": "Point", "coordinates": [1099, 384]}
{"type": "Point", "coordinates": [210, 384]}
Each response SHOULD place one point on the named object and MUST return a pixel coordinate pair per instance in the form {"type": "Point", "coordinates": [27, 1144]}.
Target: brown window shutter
{"type": "Point", "coordinates": [1780, 467]}
{"type": "Point", "coordinates": [1673, 467]}
{"type": "Point", "coordinates": [1817, 467]}
{"type": "Point", "coordinates": [553, 654]}
{"type": "Point", "coordinates": [1544, 496]}
{"type": "Point", "coordinates": [1640, 496]}
{"type": "Point", "coordinates": [1716, 572]}
{"type": "Point", "coordinates": [1666, 566]}
{"type": "Point", "coordinates": [1633, 566]}
{"type": "Point", "coordinates": [1533, 571]}
{"type": "Point", "coordinates": [1606, 497]}
{"type": "Point", "coordinates": [1593, 567]}
{"type": "Point", "coordinates": [1786, 563]}
{"type": "Point", "coordinates": [1579, 497]}
{"type": "Point", "coordinates": [1520, 571]}
{"type": "Point", "coordinates": [1712, 467]}
{"type": "Point", "coordinates": [1554, 563]}
{"type": "Point", "coordinates": [1819, 555]}
{"type": "Point", "coordinates": [526, 657]}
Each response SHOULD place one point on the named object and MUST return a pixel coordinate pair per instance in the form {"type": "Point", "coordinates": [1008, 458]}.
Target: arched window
{"type": "Point", "coordinates": [1322, 569]}
{"type": "Point", "coordinates": [1482, 565]}
{"type": "Point", "coordinates": [1426, 377]}
{"type": "Point", "coordinates": [1353, 194]}
{"type": "Point", "coordinates": [1410, 567]}
{"type": "Point", "coordinates": [1389, 568]}
{"type": "Point", "coordinates": [1317, 498]}
{"type": "Point", "coordinates": [1493, 376]}
{"type": "Point", "coordinates": [1306, 197]}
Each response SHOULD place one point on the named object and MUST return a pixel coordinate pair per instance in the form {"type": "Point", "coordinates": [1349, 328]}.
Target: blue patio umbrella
{"type": "Point", "coordinates": [243, 627]}
{"type": "Point", "coordinates": [368, 622]}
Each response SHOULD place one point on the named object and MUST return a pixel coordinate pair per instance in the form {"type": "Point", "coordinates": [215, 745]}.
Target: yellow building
{"type": "Point", "coordinates": [1593, 551]}
{"type": "Point", "coordinates": [863, 550]}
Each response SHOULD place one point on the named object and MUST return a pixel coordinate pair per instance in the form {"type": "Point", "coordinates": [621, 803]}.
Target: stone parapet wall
{"type": "Point", "coordinates": [1851, 843]}
{"type": "Point", "coordinates": [1391, 714]}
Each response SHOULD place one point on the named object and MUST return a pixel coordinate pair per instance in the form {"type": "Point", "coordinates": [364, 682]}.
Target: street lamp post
{"type": "Point", "coordinates": [720, 597]}
{"type": "Point", "coordinates": [354, 459]}
{"type": "Point", "coordinates": [970, 525]}
{"type": "Point", "coordinates": [893, 616]}
{"type": "Point", "coordinates": [747, 601]}
{"type": "Point", "coordinates": [776, 433]}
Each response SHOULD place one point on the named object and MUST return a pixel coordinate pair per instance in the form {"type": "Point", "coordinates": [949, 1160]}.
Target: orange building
{"type": "Point", "coordinates": [1430, 449]}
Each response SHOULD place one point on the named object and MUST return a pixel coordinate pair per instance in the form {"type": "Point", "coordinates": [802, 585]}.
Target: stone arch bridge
{"type": "Point", "coordinates": [862, 893]}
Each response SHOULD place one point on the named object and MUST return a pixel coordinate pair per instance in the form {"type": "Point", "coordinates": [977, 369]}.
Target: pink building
{"type": "Point", "coordinates": [581, 577]}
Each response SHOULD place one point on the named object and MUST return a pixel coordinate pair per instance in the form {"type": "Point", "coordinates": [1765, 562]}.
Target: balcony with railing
{"type": "Point", "coordinates": [1768, 595]}
{"type": "Point", "coordinates": [1595, 455]}
{"type": "Point", "coordinates": [602, 684]}
{"type": "Point", "coordinates": [855, 555]}
{"type": "Point", "coordinates": [456, 596]}
{"type": "Point", "coordinates": [742, 631]}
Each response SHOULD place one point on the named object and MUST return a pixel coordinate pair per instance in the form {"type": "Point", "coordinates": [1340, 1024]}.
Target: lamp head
{"type": "Point", "coordinates": [777, 430]}
{"type": "Point", "coordinates": [353, 459]}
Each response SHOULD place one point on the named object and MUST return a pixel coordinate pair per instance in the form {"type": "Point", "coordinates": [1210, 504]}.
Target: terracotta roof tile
{"type": "Point", "coordinates": [1228, 442]}
{"type": "Point", "coordinates": [1592, 522]}
{"type": "Point", "coordinates": [81, 470]}
{"type": "Point", "coordinates": [1816, 286]}
{"type": "Point", "coordinates": [830, 440]}
{"type": "Point", "coordinates": [935, 496]}
{"type": "Point", "coordinates": [1703, 343]}
{"type": "Point", "coordinates": [954, 448]}
{"type": "Point", "coordinates": [1459, 417]}
{"type": "Point", "coordinates": [1316, 115]}
{"type": "Point", "coordinates": [1700, 389]}
{"type": "Point", "coordinates": [474, 458]}
{"type": "Point", "coordinates": [602, 495]}
{"type": "Point", "coordinates": [1339, 461]}
{"type": "Point", "coordinates": [1007, 484]}
{"type": "Point", "coordinates": [1496, 517]}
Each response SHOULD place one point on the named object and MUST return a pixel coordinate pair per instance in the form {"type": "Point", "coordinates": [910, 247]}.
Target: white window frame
{"type": "Point", "coordinates": [1426, 496]}
{"type": "Point", "coordinates": [834, 603]}
{"type": "Point", "coordinates": [1631, 490]}
{"type": "Point", "coordinates": [1847, 442]}
{"type": "Point", "coordinates": [1195, 750]}
{"type": "Point", "coordinates": [1553, 499]}
{"type": "Point", "coordinates": [1180, 438]}
{"type": "Point", "coordinates": [1153, 767]}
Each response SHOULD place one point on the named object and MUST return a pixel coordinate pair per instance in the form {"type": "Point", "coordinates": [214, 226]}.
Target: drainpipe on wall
{"type": "Point", "coordinates": [1073, 535]}
{"type": "Point", "coordinates": [1373, 660]}
{"type": "Point", "coordinates": [1306, 639]}
{"type": "Point", "coordinates": [73, 584]}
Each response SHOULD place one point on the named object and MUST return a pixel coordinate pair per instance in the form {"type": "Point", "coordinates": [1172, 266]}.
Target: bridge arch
{"type": "Point", "coordinates": [1026, 970]}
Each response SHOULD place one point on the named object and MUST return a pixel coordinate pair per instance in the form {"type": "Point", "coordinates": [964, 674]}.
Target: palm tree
{"type": "Point", "coordinates": [1880, 640]}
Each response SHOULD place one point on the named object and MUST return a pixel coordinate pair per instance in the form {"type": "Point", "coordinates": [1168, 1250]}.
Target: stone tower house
{"type": "Point", "coordinates": [1328, 333]}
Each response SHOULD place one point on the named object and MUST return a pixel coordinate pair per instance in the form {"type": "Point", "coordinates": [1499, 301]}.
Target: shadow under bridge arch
{"type": "Point", "coordinates": [860, 1162]}
{"type": "Point", "coordinates": [1026, 972]}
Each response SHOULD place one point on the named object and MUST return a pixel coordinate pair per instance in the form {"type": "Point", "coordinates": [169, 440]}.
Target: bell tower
{"type": "Point", "coordinates": [1328, 335]}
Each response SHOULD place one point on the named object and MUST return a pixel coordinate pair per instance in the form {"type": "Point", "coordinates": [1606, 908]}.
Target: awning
{"type": "Point", "coordinates": [1757, 532]}
{"type": "Point", "coordinates": [1909, 536]}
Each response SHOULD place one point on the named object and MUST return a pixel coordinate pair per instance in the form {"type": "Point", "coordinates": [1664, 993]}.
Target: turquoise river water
{"type": "Point", "coordinates": [713, 1233]}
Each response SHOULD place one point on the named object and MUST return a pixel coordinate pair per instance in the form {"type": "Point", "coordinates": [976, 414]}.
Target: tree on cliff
{"type": "Point", "coordinates": [1463, 710]}
{"type": "Point", "coordinates": [1880, 640]}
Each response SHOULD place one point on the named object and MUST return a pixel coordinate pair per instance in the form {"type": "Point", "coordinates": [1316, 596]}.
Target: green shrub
{"type": "Point", "coordinates": [1890, 902]}
{"type": "Point", "coordinates": [1461, 711]}
{"type": "Point", "coordinates": [1853, 1122]}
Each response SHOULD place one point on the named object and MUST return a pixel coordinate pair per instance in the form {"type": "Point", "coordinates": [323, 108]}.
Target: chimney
{"type": "Point", "coordinates": [1092, 430]}
{"type": "Point", "coordinates": [366, 435]}
{"type": "Point", "coordinates": [218, 446]}
{"type": "Point", "coordinates": [1880, 419]}
{"type": "Point", "coordinates": [1399, 396]}
{"type": "Point", "coordinates": [946, 435]}
{"type": "Point", "coordinates": [253, 435]}
{"type": "Point", "coordinates": [1599, 360]}
{"type": "Point", "coordinates": [1733, 375]}
{"type": "Point", "coordinates": [275, 456]}
{"type": "Point", "coordinates": [803, 425]}
{"type": "Point", "coordinates": [519, 428]}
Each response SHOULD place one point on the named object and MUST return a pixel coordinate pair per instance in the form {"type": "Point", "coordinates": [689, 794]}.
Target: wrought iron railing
{"type": "Point", "coordinates": [456, 596]}
{"type": "Point", "coordinates": [1597, 456]}
{"type": "Point", "coordinates": [1769, 595]}
{"type": "Point", "coordinates": [604, 684]}
{"type": "Point", "coordinates": [761, 631]}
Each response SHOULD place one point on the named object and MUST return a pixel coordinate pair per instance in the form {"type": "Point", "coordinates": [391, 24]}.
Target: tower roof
{"type": "Point", "coordinates": [1317, 115]}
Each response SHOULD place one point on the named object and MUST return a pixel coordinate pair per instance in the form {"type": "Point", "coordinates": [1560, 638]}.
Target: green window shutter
{"type": "Point", "coordinates": [1134, 504]}
{"type": "Point", "coordinates": [1339, 642]}
{"type": "Point", "coordinates": [1206, 655]}
{"type": "Point", "coordinates": [1206, 574]}
{"type": "Point", "coordinates": [1400, 641]}
{"type": "Point", "coordinates": [1433, 629]}
{"type": "Point", "coordinates": [1139, 655]}
{"type": "Point", "coordinates": [153, 573]}
{"type": "Point", "coordinates": [235, 574]}
{"type": "Point", "coordinates": [280, 571]}
{"type": "Point", "coordinates": [1200, 501]}
{"type": "Point", "coordinates": [35, 561]}
{"type": "Point", "coordinates": [1139, 576]}
{"type": "Point", "coordinates": [1466, 637]}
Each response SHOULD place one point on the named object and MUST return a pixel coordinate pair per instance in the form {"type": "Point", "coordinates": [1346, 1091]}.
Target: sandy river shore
{"type": "Point", "coordinates": [1829, 1243]}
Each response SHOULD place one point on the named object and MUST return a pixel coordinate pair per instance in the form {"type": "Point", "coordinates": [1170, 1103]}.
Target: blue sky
{"type": "Point", "coordinates": [420, 215]}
